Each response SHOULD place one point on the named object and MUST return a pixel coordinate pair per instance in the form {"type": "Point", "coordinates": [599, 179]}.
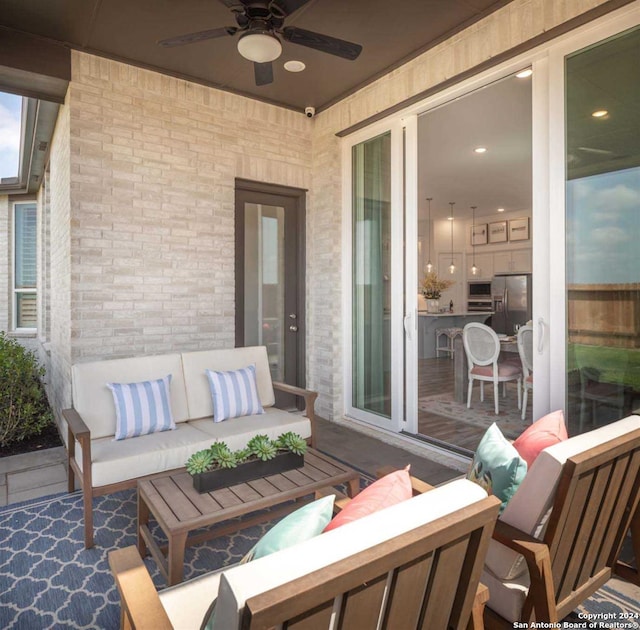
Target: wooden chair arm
{"type": "Point", "coordinates": [309, 397]}
{"type": "Point", "coordinates": [476, 621]}
{"type": "Point", "coordinates": [418, 486]}
{"type": "Point", "coordinates": [76, 424]}
{"type": "Point", "coordinates": [541, 596]}
{"type": "Point", "coordinates": [141, 606]}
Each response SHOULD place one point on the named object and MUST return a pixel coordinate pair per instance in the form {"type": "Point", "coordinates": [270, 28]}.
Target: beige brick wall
{"type": "Point", "coordinates": [59, 377]}
{"type": "Point", "coordinates": [514, 24]}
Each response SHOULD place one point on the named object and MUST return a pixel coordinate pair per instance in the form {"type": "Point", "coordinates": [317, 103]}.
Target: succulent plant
{"type": "Point", "coordinates": [292, 442]}
{"type": "Point", "coordinates": [222, 455]}
{"type": "Point", "coordinates": [200, 462]}
{"type": "Point", "coordinates": [262, 447]}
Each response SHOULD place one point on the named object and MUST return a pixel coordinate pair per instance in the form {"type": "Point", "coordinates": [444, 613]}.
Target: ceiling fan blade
{"type": "Point", "coordinates": [190, 38]}
{"type": "Point", "coordinates": [285, 7]}
{"type": "Point", "coordinates": [263, 73]}
{"type": "Point", "coordinates": [324, 43]}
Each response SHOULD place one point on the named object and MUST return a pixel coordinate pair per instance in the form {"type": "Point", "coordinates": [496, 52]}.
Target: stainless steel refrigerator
{"type": "Point", "coordinates": [511, 301]}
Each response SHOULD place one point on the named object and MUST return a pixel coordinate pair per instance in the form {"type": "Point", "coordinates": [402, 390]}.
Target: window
{"type": "Point", "coordinates": [25, 269]}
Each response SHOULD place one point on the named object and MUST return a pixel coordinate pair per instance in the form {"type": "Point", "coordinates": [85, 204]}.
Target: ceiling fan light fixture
{"type": "Point", "coordinates": [259, 47]}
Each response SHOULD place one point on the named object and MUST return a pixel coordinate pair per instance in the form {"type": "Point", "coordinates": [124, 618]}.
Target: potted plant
{"type": "Point", "coordinates": [432, 288]}
{"type": "Point", "coordinates": [219, 466]}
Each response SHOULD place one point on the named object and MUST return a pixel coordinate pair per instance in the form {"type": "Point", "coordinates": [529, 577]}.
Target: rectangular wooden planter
{"type": "Point", "coordinates": [225, 477]}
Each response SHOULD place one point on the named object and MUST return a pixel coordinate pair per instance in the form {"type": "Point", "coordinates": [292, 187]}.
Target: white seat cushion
{"type": "Point", "coordinates": [244, 581]}
{"type": "Point", "coordinates": [115, 461]}
{"type": "Point", "coordinates": [236, 432]}
{"type": "Point", "coordinates": [529, 508]}
{"type": "Point", "coordinates": [186, 604]}
{"type": "Point", "coordinates": [198, 392]}
{"type": "Point", "coordinates": [507, 596]}
{"type": "Point", "coordinates": [93, 400]}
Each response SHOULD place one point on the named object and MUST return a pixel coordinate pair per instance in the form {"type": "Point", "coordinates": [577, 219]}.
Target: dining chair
{"type": "Point", "coordinates": [525, 350]}
{"type": "Point", "coordinates": [482, 347]}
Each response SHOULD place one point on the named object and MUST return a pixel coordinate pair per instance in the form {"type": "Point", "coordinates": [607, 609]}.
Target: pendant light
{"type": "Point", "coordinates": [452, 267]}
{"type": "Point", "coordinates": [429, 265]}
{"type": "Point", "coordinates": [474, 269]}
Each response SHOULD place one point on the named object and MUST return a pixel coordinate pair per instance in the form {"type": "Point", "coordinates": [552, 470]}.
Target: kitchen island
{"type": "Point", "coordinates": [428, 323]}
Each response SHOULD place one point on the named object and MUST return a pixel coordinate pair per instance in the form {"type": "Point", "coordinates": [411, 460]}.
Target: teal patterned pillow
{"type": "Point", "coordinates": [497, 466]}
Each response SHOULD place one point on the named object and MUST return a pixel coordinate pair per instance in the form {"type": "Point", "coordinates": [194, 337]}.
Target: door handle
{"type": "Point", "coordinates": [408, 329]}
{"type": "Point", "coordinates": [541, 328]}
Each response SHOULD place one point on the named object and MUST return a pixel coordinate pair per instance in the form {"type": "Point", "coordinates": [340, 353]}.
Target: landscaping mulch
{"type": "Point", "coordinates": [49, 438]}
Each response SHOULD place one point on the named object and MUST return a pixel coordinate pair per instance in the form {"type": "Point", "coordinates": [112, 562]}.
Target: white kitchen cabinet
{"type": "Point", "coordinates": [484, 263]}
{"type": "Point", "coordinates": [513, 261]}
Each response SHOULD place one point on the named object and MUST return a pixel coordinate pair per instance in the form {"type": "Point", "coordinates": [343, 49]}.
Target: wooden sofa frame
{"type": "Point", "coordinates": [78, 430]}
{"type": "Point", "coordinates": [595, 506]}
{"type": "Point", "coordinates": [426, 578]}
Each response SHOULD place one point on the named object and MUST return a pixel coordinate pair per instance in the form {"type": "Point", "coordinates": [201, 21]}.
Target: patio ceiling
{"type": "Point", "coordinates": [390, 33]}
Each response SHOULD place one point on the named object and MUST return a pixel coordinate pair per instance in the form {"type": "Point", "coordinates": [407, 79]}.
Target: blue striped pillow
{"type": "Point", "coordinates": [142, 408]}
{"type": "Point", "coordinates": [234, 393]}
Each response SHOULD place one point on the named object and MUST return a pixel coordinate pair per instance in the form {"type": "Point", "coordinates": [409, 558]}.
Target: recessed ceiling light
{"type": "Point", "coordinates": [600, 113]}
{"type": "Point", "coordinates": [294, 66]}
{"type": "Point", "coordinates": [500, 209]}
{"type": "Point", "coordinates": [525, 73]}
{"type": "Point", "coordinates": [480, 149]}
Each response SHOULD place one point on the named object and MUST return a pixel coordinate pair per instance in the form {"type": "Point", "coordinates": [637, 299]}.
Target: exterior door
{"type": "Point", "coordinates": [270, 266]}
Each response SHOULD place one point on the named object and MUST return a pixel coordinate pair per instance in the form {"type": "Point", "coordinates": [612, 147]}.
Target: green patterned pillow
{"type": "Point", "coordinates": [497, 466]}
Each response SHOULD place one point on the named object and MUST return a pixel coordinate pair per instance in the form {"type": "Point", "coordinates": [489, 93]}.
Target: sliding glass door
{"type": "Point", "coordinates": [374, 280]}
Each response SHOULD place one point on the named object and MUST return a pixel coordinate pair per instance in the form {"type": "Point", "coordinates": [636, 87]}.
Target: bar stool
{"type": "Point", "coordinates": [449, 335]}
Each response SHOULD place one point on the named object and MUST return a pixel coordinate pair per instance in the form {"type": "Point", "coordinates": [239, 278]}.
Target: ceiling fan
{"type": "Point", "coordinates": [259, 24]}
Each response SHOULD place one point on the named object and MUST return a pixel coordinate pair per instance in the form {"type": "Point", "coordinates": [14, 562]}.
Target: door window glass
{"type": "Point", "coordinates": [602, 227]}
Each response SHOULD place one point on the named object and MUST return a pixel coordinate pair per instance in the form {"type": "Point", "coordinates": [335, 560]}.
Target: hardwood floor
{"type": "Point", "coordinates": [435, 376]}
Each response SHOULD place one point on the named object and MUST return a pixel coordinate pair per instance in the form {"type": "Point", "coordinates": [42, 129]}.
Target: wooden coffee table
{"type": "Point", "coordinates": [179, 509]}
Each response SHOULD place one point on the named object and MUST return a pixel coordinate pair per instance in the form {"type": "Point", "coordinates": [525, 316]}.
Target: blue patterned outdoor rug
{"type": "Point", "coordinates": [49, 580]}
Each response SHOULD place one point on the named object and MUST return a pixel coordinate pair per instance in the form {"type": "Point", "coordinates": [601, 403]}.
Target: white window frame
{"type": "Point", "coordinates": [15, 291]}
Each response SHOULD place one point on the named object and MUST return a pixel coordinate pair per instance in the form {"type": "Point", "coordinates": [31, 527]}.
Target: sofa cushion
{"type": "Point", "coordinates": [115, 461]}
{"type": "Point", "coordinates": [383, 493]}
{"type": "Point", "coordinates": [546, 431]}
{"type": "Point", "coordinates": [142, 408]}
{"type": "Point", "coordinates": [507, 596]}
{"type": "Point", "coordinates": [234, 393]}
{"type": "Point", "coordinates": [93, 400]}
{"type": "Point", "coordinates": [496, 465]}
{"type": "Point", "coordinates": [244, 581]}
{"type": "Point", "coordinates": [186, 604]}
{"type": "Point", "coordinates": [197, 386]}
{"type": "Point", "coordinates": [237, 432]}
{"type": "Point", "coordinates": [529, 507]}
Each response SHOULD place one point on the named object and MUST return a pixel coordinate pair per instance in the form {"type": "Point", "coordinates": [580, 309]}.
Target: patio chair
{"type": "Point", "coordinates": [482, 347]}
{"type": "Point", "coordinates": [525, 350]}
{"type": "Point", "coordinates": [542, 564]}
{"type": "Point", "coordinates": [416, 564]}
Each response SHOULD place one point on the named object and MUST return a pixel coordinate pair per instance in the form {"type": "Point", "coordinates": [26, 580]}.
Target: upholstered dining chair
{"type": "Point", "coordinates": [482, 347]}
{"type": "Point", "coordinates": [525, 350]}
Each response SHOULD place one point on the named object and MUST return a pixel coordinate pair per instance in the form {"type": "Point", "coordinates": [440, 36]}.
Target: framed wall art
{"type": "Point", "coordinates": [498, 232]}
{"type": "Point", "coordinates": [519, 229]}
{"type": "Point", "coordinates": [479, 234]}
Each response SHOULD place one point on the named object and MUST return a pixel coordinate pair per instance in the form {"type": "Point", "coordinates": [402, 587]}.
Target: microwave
{"type": "Point", "coordinates": [479, 290]}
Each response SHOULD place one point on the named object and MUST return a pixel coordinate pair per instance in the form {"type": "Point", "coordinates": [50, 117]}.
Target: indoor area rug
{"type": "Point", "coordinates": [49, 580]}
{"type": "Point", "coordinates": [481, 414]}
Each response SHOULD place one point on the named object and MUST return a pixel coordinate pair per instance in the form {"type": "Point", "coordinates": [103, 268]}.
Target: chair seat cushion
{"type": "Point", "coordinates": [506, 597]}
{"type": "Point", "coordinates": [504, 369]}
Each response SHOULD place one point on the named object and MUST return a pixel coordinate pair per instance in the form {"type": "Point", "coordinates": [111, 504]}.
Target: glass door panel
{"type": "Point", "coordinates": [602, 227]}
{"type": "Point", "coordinates": [371, 276]}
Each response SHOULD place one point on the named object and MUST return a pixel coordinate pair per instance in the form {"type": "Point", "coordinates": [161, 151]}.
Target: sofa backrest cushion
{"type": "Point", "coordinates": [528, 509]}
{"type": "Point", "coordinates": [245, 581]}
{"type": "Point", "coordinates": [93, 400]}
{"type": "Point", "coordinates": [197, 384]}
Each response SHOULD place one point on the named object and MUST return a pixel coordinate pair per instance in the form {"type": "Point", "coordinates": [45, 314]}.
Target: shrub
{"type": "Point", "coordinates": [24, 410]}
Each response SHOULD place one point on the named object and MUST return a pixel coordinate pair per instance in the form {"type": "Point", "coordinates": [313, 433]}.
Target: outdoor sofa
{"type": "Point", "coordinates": [415, 564]}
{"type": "Point", "coordinates": [102, 464]}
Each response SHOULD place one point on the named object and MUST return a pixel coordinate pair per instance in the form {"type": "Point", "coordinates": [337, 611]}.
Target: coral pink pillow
{"type": "Point", "coordinates": [547, 431]}
{"type": "Point", "coordinates": [387, 491]}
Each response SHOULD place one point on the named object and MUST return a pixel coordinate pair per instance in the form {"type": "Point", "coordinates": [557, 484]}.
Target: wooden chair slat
{"type": "Point", "coordinates": [319, 617]}
{"type": "Point", "coordinates": [362, 606]}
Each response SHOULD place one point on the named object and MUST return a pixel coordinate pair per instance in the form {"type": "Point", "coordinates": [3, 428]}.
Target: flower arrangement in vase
{"type": "Point", "coordinates": [432, 288]}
